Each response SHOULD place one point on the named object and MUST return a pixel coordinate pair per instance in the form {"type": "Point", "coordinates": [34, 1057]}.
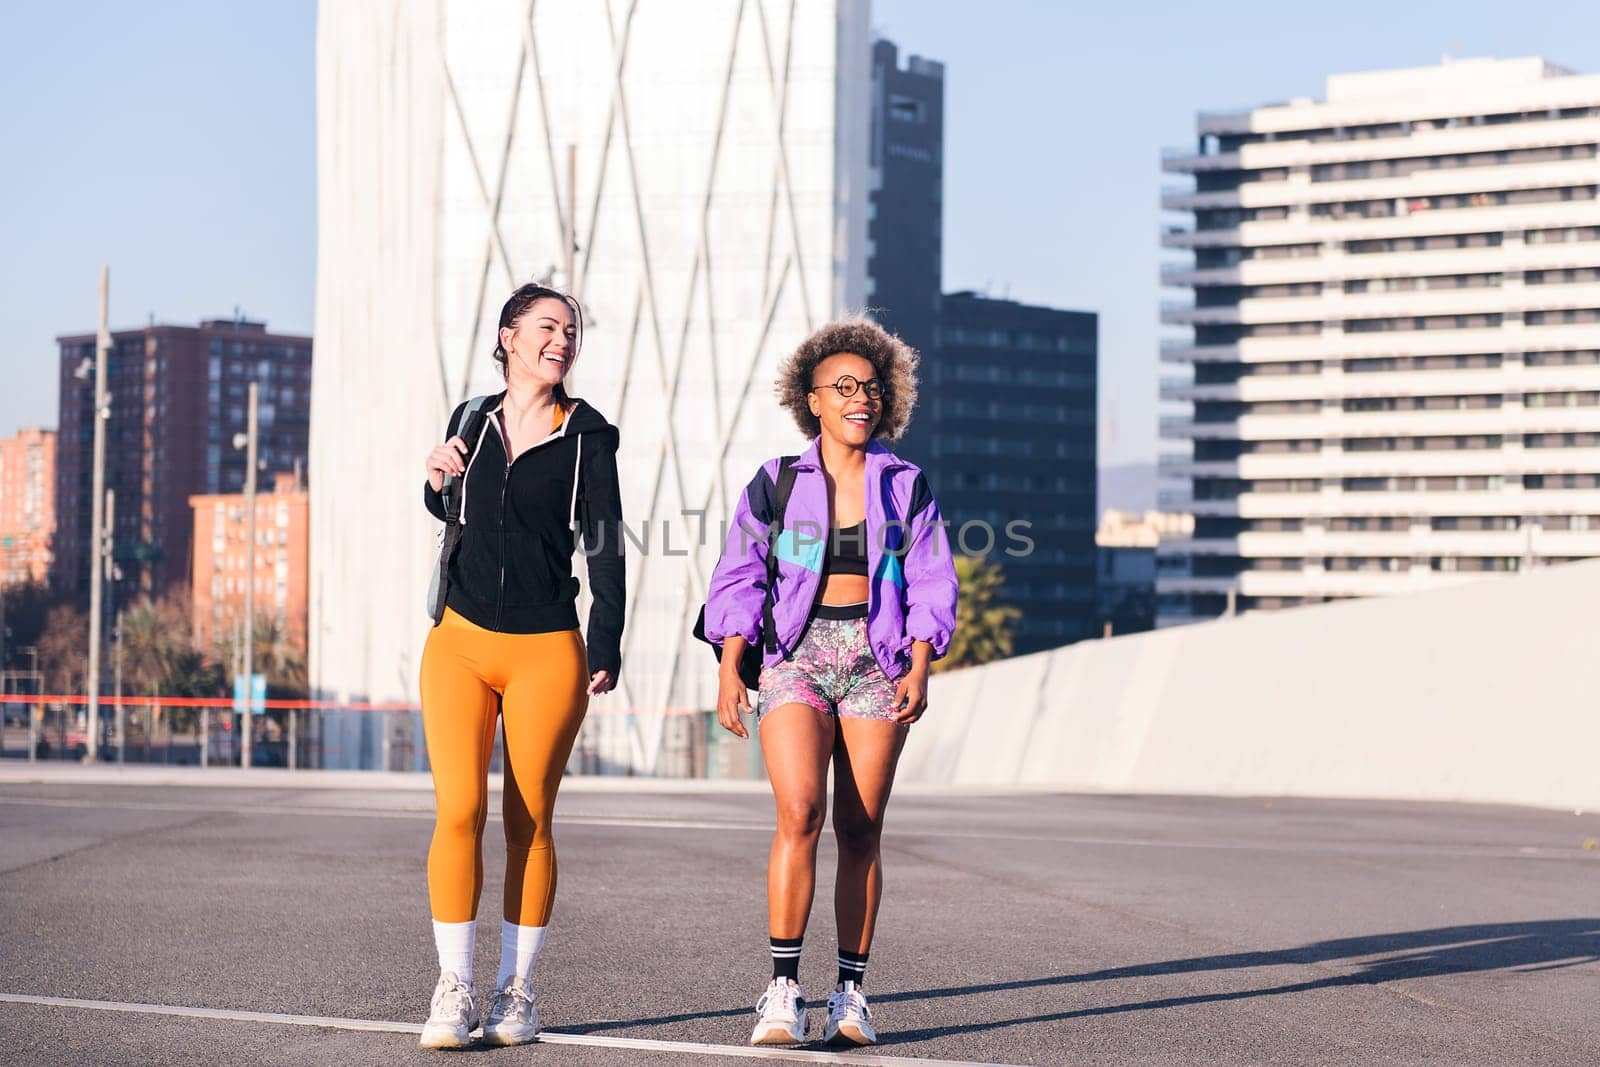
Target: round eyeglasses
{"type": "Point", "coordinates": [849, 384]}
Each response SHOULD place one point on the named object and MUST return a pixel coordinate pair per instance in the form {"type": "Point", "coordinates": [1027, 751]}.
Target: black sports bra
{"type": "Point", "coordinates": [847, 550]}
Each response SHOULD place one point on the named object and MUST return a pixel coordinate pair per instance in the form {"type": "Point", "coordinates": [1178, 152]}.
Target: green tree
{"type": "Point", "coordinates": [159, 657]}
{"type": "Point", "coordinates": [273, 655]}
{"type": "Point", "coordinates": [983, 619]}
{"type": "Point", "coordinates": [64, 650]}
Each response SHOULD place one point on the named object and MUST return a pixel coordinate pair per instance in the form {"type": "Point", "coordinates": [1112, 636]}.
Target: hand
{"type": "Point", "coordinates": [911, 696]}
{"type": "Point", "coordinates": [732, 698]}
{"type": "Point", "coordinates": [448, 458]}
{"type": "Point", "coordinates": [601, 682]}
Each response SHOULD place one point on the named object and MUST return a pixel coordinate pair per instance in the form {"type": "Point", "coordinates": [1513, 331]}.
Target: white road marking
{"type": "Point", "coordinates": [548, 1037]}
{"type": "Point", "coordinates": [636, 822]}
{"type": "Point", "coordinates": [1526, 852]}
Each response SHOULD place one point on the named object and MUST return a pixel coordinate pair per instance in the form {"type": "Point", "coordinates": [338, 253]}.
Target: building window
{"type": "Point", "coordinates": [1561, 317]}
{"type": "Point", "coordinates": [1562, 358]}
{"type": "Point", "coordinates": [1422, 403]}
{"type": "Point", "coordinates": [1571, 523]}
{"type": "Point", "coordinates": [906, 109]}
{"type": "Point", "coordinates": [1588, 439]}
{"type": "Point", "coordinates": [1474, 523]}
{"type": "Point", "coordinates": [1473, 564]}
{"type": "Point", "coordinates": [1568, 276]}
{"type": "Point", "coordinates": [1368, 523]}
{"type": "Point", "coordinates": [1407, 484]}
{"type": "Point", "coordinates": [1562, 235]}
{"type": "Point", "coordinates": [1561, 481]}
{"type": "Point", "coordinates": [1570, 399]}
{"type": "Point", "coordinates": [1428, 243]}
{"type": "Point", "coordinates": [1368, 563]}
{"type": "Point", "coordinates": [1384, 364]}
{"type": "Point", "coordinates": [1422, 444]}
{"type": "Point", "coordinates": [1429, 282]}
{"type": "Point", "coordinates": [1479, 320]}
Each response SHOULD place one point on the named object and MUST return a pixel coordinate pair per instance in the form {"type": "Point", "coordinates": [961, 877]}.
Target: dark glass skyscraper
{"type": "Point", "coordinates": [1005, 427]}
{"type": "Point", "coordinates": [904, 228]}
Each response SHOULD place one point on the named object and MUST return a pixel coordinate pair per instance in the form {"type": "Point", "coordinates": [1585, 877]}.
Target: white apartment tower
{"type": "Point", "coordinates": [1395, 337]}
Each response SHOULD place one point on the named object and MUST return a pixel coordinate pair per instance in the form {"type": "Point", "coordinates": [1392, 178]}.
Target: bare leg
{"type": "Point", "coordinates": [796, 740]}
{"type": "Point", "coordinates": [864, 760]}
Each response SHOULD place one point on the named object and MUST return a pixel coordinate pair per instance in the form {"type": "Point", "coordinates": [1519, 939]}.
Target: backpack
{"type": "Point", "coordinates": [750, 661]}
{"type": "Point", "coordinates": [470, 430]}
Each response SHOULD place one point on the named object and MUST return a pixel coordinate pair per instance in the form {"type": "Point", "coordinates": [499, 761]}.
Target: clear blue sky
{"type": "Point", "coordinates": [177, 142]}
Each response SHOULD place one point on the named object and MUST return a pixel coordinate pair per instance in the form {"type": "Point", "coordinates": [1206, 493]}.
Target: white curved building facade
{"type": "Point", "coordinates": [719, 213]}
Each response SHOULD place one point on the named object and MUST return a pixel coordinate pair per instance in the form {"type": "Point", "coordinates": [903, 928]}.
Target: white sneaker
{"type": "Point", "coordinates": [849, 1018]}
{"type": "Point", "coordinates": [513, 1017]}
{"type": "Point", "coordinates": [452, 1015]}
{"type": "Point", "coordinates": [783, 1015]}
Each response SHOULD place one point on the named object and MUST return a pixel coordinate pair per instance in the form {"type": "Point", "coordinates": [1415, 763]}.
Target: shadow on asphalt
{"type": "Point", "coordinates": [1527, 947]}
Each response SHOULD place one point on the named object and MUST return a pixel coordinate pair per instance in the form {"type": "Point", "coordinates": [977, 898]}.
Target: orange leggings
{"type": "Point", "coordinates": [538, 684]}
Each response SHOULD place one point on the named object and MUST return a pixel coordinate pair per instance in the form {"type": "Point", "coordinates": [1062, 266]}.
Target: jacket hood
{"type": "Point", "coordinates": [584, 419]}
{"type": "Point", "coordinates": [879, 457]}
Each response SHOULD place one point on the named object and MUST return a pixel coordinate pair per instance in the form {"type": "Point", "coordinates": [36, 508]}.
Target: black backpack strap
{"type": "Point", "coordinates": [470, 431]}
{"type": "Point", "coordinates": [774, 529]}
{"type": "Point", "coordinates": [453, 494]}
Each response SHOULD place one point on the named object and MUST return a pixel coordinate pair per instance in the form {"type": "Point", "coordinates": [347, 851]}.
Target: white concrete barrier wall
{"type": "Point", "coordinates": [1479, 692]}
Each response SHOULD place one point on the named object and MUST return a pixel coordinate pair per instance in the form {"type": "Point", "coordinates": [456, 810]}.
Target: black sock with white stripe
{"type": "Point", "coordinates": [786, 958]}
{"type": "Point", "coordinates": [852, 967]}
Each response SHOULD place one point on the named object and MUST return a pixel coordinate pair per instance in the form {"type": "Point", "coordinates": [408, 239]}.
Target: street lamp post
{"type": "Point", "coordinates": [108, 564]}
{"type": "Point", "coordinates": [97, 517]}
{"type": "Point", "coordinates": [246, 733]}
{"type": "Point", "coordinates": [122, 739]}
{"type": "Point", "coordinates": [37, 709]}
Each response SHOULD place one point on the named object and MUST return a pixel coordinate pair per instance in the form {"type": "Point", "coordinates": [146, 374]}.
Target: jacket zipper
{"type": "Point", "coordinates": [500, 597]}
{"type": "Point", "coordinates": [872, 581]}
{"type": "Point", "coordinates": [505, 483]}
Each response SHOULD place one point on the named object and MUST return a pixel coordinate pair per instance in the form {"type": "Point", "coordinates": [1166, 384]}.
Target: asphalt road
{"type": "Point", "coordinates": [1015, 930]}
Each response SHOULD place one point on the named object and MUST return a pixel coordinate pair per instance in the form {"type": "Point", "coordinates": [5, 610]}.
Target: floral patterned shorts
{"type": "Point", "coordinates": [833, 671]}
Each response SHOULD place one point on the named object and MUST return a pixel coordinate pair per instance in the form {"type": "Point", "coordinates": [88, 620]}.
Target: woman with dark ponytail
{"type": "Point", "coordinates": [541, 474]}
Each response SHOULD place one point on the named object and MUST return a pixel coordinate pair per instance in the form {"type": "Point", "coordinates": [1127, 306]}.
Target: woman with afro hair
{"type": "Point", "coordinates": [862, 600]}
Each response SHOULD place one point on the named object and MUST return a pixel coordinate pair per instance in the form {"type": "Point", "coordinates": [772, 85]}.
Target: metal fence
{"type": "Point", "coordinates": [315, 735]}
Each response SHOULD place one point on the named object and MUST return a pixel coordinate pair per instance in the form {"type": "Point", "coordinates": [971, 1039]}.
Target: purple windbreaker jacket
{"type": "Point", "coordinates": [912, 592]}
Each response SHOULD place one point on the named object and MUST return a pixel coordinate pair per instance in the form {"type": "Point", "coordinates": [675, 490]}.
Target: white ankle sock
{"type": "Point", "coordinates": [454, 942]}
{"type": "Point", "coordinates": [519, 950]}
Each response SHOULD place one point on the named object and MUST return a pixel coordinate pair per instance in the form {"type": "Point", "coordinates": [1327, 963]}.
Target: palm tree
{"type": "Point", "coordinates": [159, 653]}
{"type": "Point", "coordinates": [281, 660]}
{"type": "Point", "coordinates": [159, 659]}
{"type": "Point", "coordinates": [983, 621]}
{"type": "Point", "coordinates": [272, 654]}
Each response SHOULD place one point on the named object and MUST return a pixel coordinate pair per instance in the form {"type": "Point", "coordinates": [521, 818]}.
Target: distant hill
{"type": "Point", "coordinates": [1128, 486]}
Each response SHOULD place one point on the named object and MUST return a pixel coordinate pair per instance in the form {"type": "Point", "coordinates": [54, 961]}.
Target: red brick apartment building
{"type": "Point", "coordinates": [221, 570]}
{"type": "Point", "coordinates": [178, 397]}
{"type": "Point", "coordinates": [27, 505]}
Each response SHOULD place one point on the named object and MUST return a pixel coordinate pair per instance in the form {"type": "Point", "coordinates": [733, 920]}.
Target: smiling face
{"type": "Point", "coordinates": [542, 344]}
{"type": "Point", "coordinates": [848, 419]}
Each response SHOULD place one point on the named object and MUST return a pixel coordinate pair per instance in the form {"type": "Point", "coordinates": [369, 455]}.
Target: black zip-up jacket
{"type": "Point", "coordinates": [512, 571]}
